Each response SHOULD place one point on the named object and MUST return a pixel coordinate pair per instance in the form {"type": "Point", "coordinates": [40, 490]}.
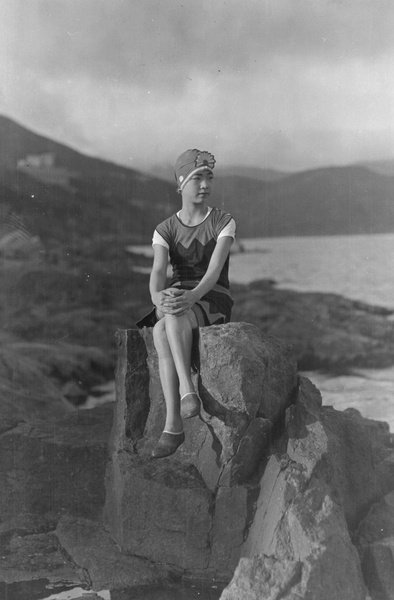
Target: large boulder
{"type": "Point", "coordinates": [310, 496]}
{"type": "Point", "coordinates": [95, 553]}
{"type": "Point", "coordinates": [375, 541]}
{"type": "Point", "coordinates": [378, 569]}
{"type": "Point", "coordinates": [194, 508]}
{"type": "Point", "coordinates": [245, 381]}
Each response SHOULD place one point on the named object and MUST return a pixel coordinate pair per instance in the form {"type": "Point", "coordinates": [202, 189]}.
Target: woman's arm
{"type": "Point", "coordinates": [158, 278]}
{"type": "Point", "coordinates": [183, 303]}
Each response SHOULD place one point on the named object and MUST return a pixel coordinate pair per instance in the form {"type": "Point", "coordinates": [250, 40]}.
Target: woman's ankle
{"type": "Point", "coordinates": [186, 388]}
{"type": "Point", "coordinates": [174, 425]}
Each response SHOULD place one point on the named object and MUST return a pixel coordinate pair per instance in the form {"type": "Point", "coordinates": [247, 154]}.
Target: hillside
{"type": "Point", "coordinates": [64, 195]}
{"type": "Point", "coordinates": [166, 171]}
{"type": "Point", "coordinates": [335, 200]}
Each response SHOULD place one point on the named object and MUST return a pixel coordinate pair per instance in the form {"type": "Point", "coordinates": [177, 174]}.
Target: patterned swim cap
{"type": "Point", "coordinates": [190, 162]}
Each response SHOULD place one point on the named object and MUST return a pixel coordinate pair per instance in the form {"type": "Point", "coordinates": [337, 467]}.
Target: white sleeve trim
{"type": "Point", "coordinates": [158, 239]}
{"type": "Point", "coordinates": [228, 230]}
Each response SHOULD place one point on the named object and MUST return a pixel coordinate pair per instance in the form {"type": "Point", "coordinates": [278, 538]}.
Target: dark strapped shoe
{"type": "Point", "coordinates": [168, 443]}
{"type": "Point", "coordinates": [190, 405]}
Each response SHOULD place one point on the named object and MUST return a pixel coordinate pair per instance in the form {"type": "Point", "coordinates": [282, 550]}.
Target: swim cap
{"type": "Point", "coordinates": [190, 162]}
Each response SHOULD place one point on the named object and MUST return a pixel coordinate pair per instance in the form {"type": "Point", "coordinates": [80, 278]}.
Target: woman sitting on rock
{"type": "Point", "coordinates": [197, 239]}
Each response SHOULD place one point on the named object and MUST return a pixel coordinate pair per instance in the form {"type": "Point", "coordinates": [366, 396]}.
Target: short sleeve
{"type": "Point", "coordinates": [158, 239]}
{"type": "Point", "coordinates": [228, 230]}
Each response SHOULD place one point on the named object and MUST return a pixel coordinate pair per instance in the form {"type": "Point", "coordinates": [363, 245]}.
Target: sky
{"type": "Point", "coordinates": [283, 84]}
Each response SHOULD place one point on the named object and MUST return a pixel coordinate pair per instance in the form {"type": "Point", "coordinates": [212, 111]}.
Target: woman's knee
{"type": "Point", "coordinates": [180, 322]}
{"type": "Point", "coordinates": [160, 337]}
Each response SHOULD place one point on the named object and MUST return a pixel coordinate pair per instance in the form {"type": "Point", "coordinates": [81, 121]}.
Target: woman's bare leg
{"type": "Point", "coordinates": [179, 332]}
{"type": "Point", "coordinates": [168, 377]}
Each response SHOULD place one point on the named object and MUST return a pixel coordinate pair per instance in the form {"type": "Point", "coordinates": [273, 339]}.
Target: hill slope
{"type": "Point", "coordinates": [336, 200]}
{"type": "Point", "coordinates": [65, 195]}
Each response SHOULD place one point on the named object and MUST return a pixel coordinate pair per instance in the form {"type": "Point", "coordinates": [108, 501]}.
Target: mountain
{"type": "Point", "coordinates": [166, 171]}
{"type": "Point", "coordinates": [68, 198]}
{"type": "Point", "coordinates": [383, 167]}
{"type": "Point", "coordinates": [252, 173]}
{"type": "Point", "coordinates": [327, 201]}
{"type": "Point", "coordinates": [65, 196]}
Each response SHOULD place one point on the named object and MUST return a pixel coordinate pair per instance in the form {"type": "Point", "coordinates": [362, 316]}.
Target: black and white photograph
{"type": "Point", "coordinates": [196, 300]}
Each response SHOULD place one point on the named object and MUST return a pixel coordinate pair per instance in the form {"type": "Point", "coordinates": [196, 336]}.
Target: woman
{"type": "Point", "coordinates": [197, 240]}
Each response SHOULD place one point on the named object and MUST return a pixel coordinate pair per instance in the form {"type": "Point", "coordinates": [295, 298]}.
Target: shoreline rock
{"type": "Point", "coordinates": [246, 382]}
{"type": "Point", "coordinates": [327, 331]}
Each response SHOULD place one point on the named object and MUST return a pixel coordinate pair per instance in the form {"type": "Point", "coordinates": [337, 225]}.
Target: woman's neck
{"type": "Point", "coordinates": [192, 215]}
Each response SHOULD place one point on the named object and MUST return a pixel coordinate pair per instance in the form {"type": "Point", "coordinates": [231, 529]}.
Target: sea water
{"type": "Point", "coordinates": [359, 267]}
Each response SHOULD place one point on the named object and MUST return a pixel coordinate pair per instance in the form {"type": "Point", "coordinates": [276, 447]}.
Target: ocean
{"type": "Point", "coordinates": [360, 267]}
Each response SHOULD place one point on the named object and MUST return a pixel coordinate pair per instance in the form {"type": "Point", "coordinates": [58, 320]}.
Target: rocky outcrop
{"type": "Point", "coordinates": [207, 490]}
{"type": "Point", "coordinates": [269, 483]}
{"type": "Point", "coordinates": [312, 498]}
{"type": "Point", "coordinates": [375, 541]}
{"type": "Point", "coordinates": [308, 501]}
{"type": "Point", "coordinates": [327, 331]}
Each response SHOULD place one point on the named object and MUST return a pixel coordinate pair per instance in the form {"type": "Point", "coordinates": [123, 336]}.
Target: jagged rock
{"type": "Point", "coordinates": [91, 548]}
{"type": "Point", "coordinates": [377, 432]}
{"type": "Point", "coordinates": [299, 528]}
{"type": "Point", "coordinates": [385, 473]}
{"type": "Point", "coordinates": [378, 566]}
{"type": "Point", "coordinates": [132, 391]}
{"type": "Point", "coordinates": [378, 524]}
{"type": "Point", "coordinates": [159, 510]}
{"type": "Point", "coordinates": [245, 382]}
{"type": "Point", "coordinates": [233, 509]}
{"type": "Point", "coordinates": [333, 443]}
{"type": "Point", "coordinates": [244, 377]}
{"type": "Point", "coordinates": [52, 467]}
{"type": "Point", "coordinates": [263, 577]}
{"type": "Point", "coordinates": [245, 372]}
{"type": "Point", "coordinates": [34, 556]}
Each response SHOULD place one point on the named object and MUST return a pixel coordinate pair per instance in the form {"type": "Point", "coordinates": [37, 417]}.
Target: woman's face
{"type": "Point", "coordinates": [198, 188]}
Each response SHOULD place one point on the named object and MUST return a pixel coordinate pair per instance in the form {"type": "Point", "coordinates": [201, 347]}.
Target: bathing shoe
{"type": "Point", "coordinates": [168, 443]}
{"type": "Point", "coordinates": [190, 405]}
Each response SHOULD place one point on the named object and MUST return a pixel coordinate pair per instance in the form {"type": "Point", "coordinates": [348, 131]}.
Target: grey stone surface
{"type": "Point", "coordinates": [208, 484]}
{"type": "Point", "coordinates": [326, 331]}
{"type": "Point", "coordinates": [332, 444]}
{"type": "Point", "coordinates": [57, 466]}
{"type": "Point", "coordinates": [378, 566]}
{"type": "Point", "coordinates": [159, 510]}
{"type": "Point", "coordinates": [96, 554]}
{"type": "Point", "coordinates": [299, 536]}
{"type": "Point", "coordinates": [245, 372]}
{"type": "Point", "coordinates": [378, 523]}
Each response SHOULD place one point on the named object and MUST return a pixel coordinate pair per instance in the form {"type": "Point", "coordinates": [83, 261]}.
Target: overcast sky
{"type": "Point", "coordinates": [287, 84]}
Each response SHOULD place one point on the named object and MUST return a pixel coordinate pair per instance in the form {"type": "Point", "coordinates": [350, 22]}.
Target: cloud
{"type": "Point", "coordinates": [161, 42]}
{"type": "Point", "coordinates": [271, 82]}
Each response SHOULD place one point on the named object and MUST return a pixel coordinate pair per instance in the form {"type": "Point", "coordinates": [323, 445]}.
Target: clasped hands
{"type": "Point", "coordinates": [174, 301]}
